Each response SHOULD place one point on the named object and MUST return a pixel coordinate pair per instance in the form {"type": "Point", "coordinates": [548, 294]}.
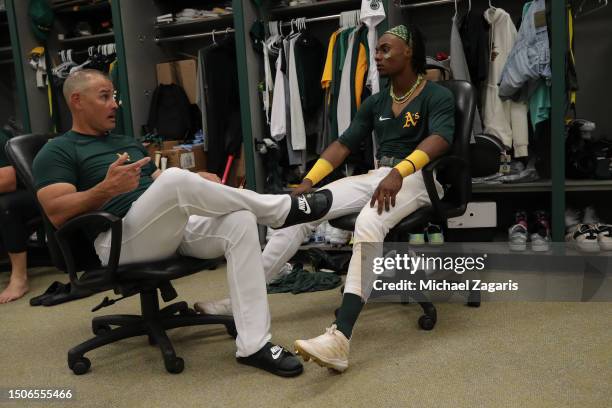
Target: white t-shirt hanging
{"type": "Point", "coordinates": [372, 13]}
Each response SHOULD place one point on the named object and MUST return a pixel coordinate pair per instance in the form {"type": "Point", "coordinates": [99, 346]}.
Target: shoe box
{"type": "Point", "coordinates": [477, 224]}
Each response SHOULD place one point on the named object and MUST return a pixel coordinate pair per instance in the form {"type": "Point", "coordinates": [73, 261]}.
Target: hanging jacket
{"type": "Point", "coordinates": [505, 119]}
{"type": "Point", "coordinates": [459, 68]}
{"type": "Point", "coordinates": [529, 59]}
{"type": "Point", "coordinates": [298, 127]}
{"type": "Point", "coordinates": [309, 64]}
{"type": "Point", "coordinates": [343, 108]}
{"type": "Point", "coordinates": [222, 103]}
{"type": "Point", "coordinates": [359, 70]}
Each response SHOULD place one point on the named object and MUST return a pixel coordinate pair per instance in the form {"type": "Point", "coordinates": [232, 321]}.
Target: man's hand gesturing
{"type": "Point", "coordinates": [121, 178]}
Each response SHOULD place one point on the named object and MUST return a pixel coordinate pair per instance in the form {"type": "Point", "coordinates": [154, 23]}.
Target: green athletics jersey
{"type": "Point", "coordinates": [431, 112]}
{"type": "Point", "coordinates": [83, 161]}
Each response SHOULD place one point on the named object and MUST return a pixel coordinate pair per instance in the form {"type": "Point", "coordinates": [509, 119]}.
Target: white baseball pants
{"type": "Point", "coordinates": [182, 212]}
{"type": "Point", "coordinates": [351, 195]}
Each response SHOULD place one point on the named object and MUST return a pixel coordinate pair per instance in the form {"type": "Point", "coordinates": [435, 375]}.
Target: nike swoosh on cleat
{"type": "Point", "coordinates": [303, 205]}
{"type": "Point", "coordinates": [276, 352]}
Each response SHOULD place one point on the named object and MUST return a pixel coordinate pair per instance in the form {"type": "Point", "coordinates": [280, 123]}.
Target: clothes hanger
{"type": "Point", "coordinates": [280, 29]}
{"type": "Point", "coordinates": [580, 13]}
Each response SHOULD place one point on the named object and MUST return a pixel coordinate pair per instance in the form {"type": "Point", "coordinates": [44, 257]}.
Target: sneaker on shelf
{"type": "Point", "coordinates": [338, 236]}
{"type": "Point", "coordinates": [434, 234]}
{"type": "Point", "coordinates": [331, 349]}
{"type": "Point", "coordinates": [604, 236]}
{"type": "Point", "coordinates": [590, 216]}
{"type": "Point", "coordinates": [318, 237]}
{"type": "Point", "coordinates": [517, 234]}
{"type": "Point", "coordinates": [584, 237]}
{"type": "Point", "coordinates": [328, 232]}
{"type": "Point", "coordinates": [417, 238]}
{"type": "Point", "coordinates": [540, 239]}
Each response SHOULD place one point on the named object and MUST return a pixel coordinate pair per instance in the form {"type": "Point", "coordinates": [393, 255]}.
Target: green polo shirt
{"type": "Point", "coordinates": [83, 161]}
{"type": "Point", "coordinates": [3, 139]}
{"type": "Point", "coordinates": [431, 112]}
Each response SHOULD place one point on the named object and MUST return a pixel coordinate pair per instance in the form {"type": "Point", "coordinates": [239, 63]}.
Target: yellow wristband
{"type": "Point", "coordinates": [413, 163]}
{"type": "Point", "coordinates": [318, 172]}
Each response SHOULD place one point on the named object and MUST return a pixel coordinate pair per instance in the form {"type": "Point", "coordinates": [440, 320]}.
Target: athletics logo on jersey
{"type": "Point", "coordinates": [411, 119]}
{"type": "Point", "coordinates": [374, 4]}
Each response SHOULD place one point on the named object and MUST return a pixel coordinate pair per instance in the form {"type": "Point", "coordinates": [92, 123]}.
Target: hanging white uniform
{"type": "Point", "coordinates": [278, 119]}
{"type": "Point", "coordinates": [505, 119]}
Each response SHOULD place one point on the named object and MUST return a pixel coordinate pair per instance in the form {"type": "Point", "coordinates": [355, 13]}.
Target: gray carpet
{"type": "Point", "coordinates": [501, 355]}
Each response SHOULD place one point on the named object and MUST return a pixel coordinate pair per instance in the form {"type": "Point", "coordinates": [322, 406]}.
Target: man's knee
{"type": "Point", "coordinates": [173, 176]}
{"type": "Point", "coordinates": [369, 227]}
{"type": "Point", "coordinates": [242, 222]}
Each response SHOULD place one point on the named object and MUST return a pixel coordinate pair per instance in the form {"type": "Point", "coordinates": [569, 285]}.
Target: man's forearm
{"type": "Point", "coordinates": [68, 206]}
{"type": "Point", "coordinates": [336, 153]}
{"type": "Point", "coordinates": [8, 181]}
{"type": "Point", "coordinates": [331, 158]}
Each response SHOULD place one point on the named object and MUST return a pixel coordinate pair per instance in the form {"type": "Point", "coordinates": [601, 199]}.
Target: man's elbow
{"type": "Point", "coordinates": [8, 186]}
{"type": "Point", "coordinates": [55, 217]}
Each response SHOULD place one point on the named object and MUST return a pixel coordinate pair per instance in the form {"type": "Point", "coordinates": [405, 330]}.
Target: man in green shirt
{"type": "Point", "coordinates": [413, 120]}
{"type": "Point", "coordinates": [176, 211]}
{"type": "Point", "coordinates": [16, 208]}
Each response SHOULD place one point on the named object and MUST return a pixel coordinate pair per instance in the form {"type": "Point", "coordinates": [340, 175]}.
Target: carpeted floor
{"type": "Point", "coordinates": [500, 355]}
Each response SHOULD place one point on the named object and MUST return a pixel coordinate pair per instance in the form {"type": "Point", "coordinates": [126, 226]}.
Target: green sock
{"type": "Point", "coordinates": [348, 313]}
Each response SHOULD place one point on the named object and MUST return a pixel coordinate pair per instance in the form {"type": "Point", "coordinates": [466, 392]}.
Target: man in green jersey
{"type": "Point", "coordinates": [164, 213]}
{"type": "Point", "coordinates": [413, 120]}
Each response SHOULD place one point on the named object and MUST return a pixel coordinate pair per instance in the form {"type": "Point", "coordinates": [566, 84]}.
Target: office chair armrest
{"type": "Point", "coordinates": [430, 185]}
{"type": "Point", "coordinates": [97, 221]}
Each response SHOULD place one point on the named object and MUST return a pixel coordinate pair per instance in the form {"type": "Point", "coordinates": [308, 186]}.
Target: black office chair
{"type": "Point", "coordinates": [72, 249]}
{"type": "Point", "coordinates": [453, 173]}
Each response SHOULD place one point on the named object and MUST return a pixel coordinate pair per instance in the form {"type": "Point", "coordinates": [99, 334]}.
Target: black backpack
{"type": "Point", "coordinates": [170, 113]}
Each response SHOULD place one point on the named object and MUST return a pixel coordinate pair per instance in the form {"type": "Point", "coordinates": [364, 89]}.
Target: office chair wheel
{"type": "Point", "coordinates": [427, 322]}
{"type": "Point", "coordinates": [231, 330]}
{"type": "Point", "coordinates": [81, 366]}
{"type": "Point", "coordinates": [101, 329]}
{"type": "Point", "coordinates": [174, 365]}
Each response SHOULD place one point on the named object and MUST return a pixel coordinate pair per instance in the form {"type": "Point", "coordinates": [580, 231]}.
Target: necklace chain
{"type": "Point", "coordinates": [403, 98]}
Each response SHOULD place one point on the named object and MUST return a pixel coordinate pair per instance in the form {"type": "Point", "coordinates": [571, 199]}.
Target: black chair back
{"type": "Point", "coordinates": [457, 180]}
{"type": "Point", "coordinates": [21, 151]}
